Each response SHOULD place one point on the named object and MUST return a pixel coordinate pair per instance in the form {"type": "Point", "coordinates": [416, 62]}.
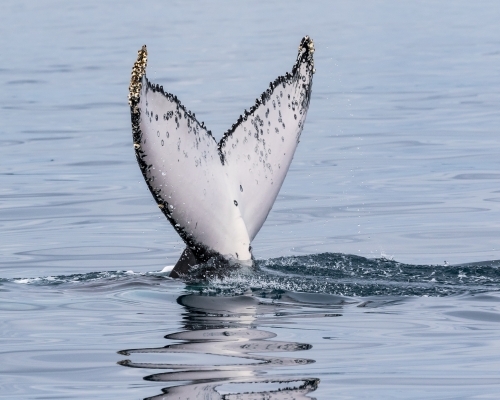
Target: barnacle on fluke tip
{"type": "Point", "coordinates": [138, 71]}
{"type": "Point", "coordinates": [197, 182]}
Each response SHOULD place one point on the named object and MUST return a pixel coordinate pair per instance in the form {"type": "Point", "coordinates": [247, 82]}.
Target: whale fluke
{"type": "Point", "coordinates": [218, 195]}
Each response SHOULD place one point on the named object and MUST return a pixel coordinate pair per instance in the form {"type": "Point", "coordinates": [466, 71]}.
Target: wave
{"type": "Point", "coordinates": [328, 273]}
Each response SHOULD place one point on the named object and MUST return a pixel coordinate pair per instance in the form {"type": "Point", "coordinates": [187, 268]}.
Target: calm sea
{"type": "Point", "coordinates": [379, 263]}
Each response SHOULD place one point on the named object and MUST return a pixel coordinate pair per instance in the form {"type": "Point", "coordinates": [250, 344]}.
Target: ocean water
{"type": "Point", "coordinates": [379, 265]}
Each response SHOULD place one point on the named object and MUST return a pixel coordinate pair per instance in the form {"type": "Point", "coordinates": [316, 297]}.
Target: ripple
{"type": "Point", "coordinates": [477, 176]}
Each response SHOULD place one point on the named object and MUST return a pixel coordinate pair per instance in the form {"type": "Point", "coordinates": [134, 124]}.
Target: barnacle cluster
{"type": "Point", "coordinates": [137, 73]}
{"type": "Point", "coordinates": [307, 46]}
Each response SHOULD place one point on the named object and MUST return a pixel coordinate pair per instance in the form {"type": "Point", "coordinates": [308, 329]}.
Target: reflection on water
{"type": "Point", "coordinates": [222, 354]}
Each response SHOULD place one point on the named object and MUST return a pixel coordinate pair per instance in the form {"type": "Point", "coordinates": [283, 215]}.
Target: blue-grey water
{"type": "Point", "coordinates": [379, 269]}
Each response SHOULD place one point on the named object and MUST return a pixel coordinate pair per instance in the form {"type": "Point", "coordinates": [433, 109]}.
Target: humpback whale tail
{"type": "Point", "coordinates": [218, 195]}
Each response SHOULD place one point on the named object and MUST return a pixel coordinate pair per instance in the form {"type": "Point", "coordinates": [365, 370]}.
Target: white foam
{"type": "Point", "coordinates": [168, 268]}
{"type": "Point", "coordinates": [26, 280]}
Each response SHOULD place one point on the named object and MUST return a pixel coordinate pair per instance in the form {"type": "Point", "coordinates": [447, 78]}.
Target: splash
{"type": "Point", "coordinates": [349, 275]}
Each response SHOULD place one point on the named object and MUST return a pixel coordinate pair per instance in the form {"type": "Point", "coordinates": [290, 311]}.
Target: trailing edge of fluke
{"type": "Point", "coordinates": [218, 195]}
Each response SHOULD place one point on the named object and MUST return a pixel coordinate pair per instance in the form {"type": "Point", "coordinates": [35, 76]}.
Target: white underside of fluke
{"type": "Point", "coordinates": [218, 195]}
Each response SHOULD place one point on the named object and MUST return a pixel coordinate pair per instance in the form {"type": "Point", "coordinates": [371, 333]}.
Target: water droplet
{"type": "Point", "coordinates": [236, 203]}
{"type": "Point", "coordinates": [241, 188]}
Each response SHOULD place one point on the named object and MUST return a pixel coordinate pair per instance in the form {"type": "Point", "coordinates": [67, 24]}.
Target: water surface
{"type": "Point", "coordinates": [377, 263]}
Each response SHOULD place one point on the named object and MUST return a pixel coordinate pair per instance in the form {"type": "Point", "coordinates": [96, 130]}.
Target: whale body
{"type": "Point", "coordinates": [217, 195]}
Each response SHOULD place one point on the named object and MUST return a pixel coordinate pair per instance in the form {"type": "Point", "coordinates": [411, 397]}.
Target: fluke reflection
{"type": "Point", "coordinates": [222, 354]}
